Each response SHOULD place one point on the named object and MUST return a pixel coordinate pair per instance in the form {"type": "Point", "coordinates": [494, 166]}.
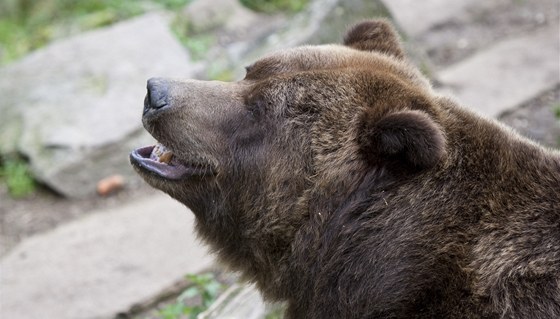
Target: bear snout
{"type": "Point", "coordinates": [157, 98]}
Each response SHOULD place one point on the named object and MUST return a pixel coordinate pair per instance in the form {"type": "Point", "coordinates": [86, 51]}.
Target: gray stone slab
{"type": "Point", "coordinates": [416, 17]}
{"type": "Point", "coordinates": [74, 107]}
{"type": "Point", "coordinates": [238, 301]}
{"type": "Point", "coordinates": [507, 74]}
{"type": "Point", "coordinates": [102, 264]}
{"type": "Point", "coordinates": [323, 21]}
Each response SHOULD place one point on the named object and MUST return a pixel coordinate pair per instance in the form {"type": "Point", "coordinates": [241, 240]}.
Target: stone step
{"type": "Point", "coordinates": [238, 301]}
{"type": "Point", "coordinates": [73, 106]}
{"type": "Point", "coordinates": [102, 264]}
{"type": "Point", "coordinates": [507, 74]}
{"type": "Point", "coordinates": [417, 17]}
{"type": "Point", "coordinates": [450, 31]}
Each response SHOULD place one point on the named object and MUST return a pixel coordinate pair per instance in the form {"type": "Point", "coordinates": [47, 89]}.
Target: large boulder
{"type": "Point", "coordinates": [74, 107]}
{"type": "Point", "coordinates": [321, 22]}
{"type": "Point", "coordinates": [418, 17]}
{"type": "Point", "coordinates": [239, 42]}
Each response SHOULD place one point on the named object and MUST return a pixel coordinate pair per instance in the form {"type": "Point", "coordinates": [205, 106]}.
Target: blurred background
{"type": "Point", "coordinates": [81, 236]}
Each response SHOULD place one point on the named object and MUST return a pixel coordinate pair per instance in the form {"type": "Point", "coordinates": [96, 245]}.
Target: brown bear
{"type": "Point", "coordinates": [337, 180]}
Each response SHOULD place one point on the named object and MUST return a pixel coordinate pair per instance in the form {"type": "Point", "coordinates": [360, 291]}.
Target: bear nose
{"type": "Point", "coordinates": [157, 96]}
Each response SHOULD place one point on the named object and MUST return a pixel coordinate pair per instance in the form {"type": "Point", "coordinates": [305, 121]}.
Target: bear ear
{"type": "Point", "coordinates": [410, 138]}
{"type": "Point", "coordinates": [374, 35]}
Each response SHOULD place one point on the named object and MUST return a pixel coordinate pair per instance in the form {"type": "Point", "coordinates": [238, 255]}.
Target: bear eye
{"type": "Point", "coordinates": [248, 69]}
{"type": "Point", "coordinates": [256, 108]}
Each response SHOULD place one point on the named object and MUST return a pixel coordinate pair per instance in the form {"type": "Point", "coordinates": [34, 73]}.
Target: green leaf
{"type": "Point", "coordinates": [18, 178]}
{"type": "Point", "coordinates": [189, 293]}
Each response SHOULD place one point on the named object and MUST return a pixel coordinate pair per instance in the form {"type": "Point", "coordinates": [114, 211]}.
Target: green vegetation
{"type": "Point", "coordinates": [195, 299]}
{"type": "Point", "coordinates": [275, 313]}
{"type": "Point", "coordinates": [26, 25]}
{"type": "Point", "coordinates": [556, 110]}
{"type": "Point", "coordinates": [197, 44]}
{"type": "Point", "coordinates": [219, 72]}
{"type": "Point", "coordinates": [270, 6]}
{"type": "Point", "coordinates": [15, 173]}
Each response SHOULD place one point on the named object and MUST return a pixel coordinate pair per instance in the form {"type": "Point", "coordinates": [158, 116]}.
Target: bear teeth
{"type": "Point", "coordinates": [161, 154]}
{"type": "Point", "coordinates": [166, 157]}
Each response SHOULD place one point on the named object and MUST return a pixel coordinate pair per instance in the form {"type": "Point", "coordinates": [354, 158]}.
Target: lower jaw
{"type": "Point", "coordinates": [172, 171]}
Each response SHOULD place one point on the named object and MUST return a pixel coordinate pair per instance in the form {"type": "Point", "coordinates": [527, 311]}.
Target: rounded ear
{"type": "Point", "coordinates": [410, 138]}
{"type": "Point", "coordinates": [374, 35]}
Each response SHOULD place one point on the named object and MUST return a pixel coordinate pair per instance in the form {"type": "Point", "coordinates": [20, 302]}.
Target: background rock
{"type": "Point", "coordinates": [242, 301]}
{"type": "Point", "coordinates": [74, 107]}
{"type": "Point", "coordinates": [522, 74]}
{"type": "Point", "coordinates": [241, 41]}
{"type": "Point", "coordinates": [204, 16]}
{"type": "Point", "coordinates": [417, 17]}
{"type": "Point", "coordinates": [472, 30]}
{"type": "Point", "coordinates": [102, 264]}
{"type": "Point", "coordinates": [323, 21]}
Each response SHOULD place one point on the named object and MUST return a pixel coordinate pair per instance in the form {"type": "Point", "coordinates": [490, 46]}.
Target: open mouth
{"type": "Point", "coordinates": [158, 160]}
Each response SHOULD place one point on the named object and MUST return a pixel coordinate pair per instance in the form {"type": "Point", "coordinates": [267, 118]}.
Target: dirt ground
{"type": "Point", "coordinates": [458, 39]}
{"type": "Point", "coordinates": [44, 210]}
{"type": "Point", "coordinates": [536, 119]}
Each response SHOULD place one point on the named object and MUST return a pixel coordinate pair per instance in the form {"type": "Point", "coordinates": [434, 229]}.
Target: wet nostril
{"type": "Point", "coordinates": [157, 96]}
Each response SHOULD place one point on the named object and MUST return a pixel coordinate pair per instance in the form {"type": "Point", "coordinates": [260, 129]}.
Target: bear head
{"type": "Point", "coordinates": [302, 131]}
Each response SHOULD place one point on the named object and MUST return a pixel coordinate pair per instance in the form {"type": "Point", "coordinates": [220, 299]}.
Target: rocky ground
{"type": "Point", "coordinates": [538, 118]}
{"type": "Point", "coordinates": [470, 31]}
{"type": "Point", "coordinates": [45, 210]}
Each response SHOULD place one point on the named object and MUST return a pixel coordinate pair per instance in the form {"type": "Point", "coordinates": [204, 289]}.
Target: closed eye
{"type": "Point", "coordinates": [248, 69]}
{"type": "Point", "coordinates": [257, 107]}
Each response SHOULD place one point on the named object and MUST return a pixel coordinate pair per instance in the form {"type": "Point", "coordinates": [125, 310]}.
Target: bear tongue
{"type": "Point", "coordinates": [161, 154]}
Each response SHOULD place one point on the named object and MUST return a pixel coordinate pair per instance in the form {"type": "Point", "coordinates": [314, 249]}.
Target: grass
{"type": "Point", "coordinates": [556, 110]}
{"type": "Point", "coordinates": [16, 175]}
{"type": "Point", "coordinates": [205, 289]}
{"type": "Point", "coordinates": [270, 6]}
{"type": "Point", "coordinates": [197, 44]}
{"type": "Point", "coordinates": [202, 294]}
{"type": "Point", "coordinates": [26, 25]}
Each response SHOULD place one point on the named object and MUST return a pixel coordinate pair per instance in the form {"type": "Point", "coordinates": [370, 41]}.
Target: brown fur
{"type": "Point", "coordinates": [342, 184]}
